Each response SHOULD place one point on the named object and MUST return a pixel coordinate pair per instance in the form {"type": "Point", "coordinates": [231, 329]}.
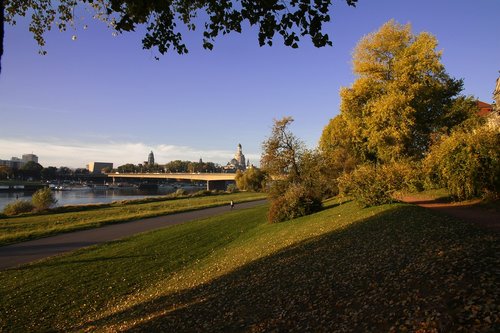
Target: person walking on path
{"type": "Point", "coordinates": [24, 252]}
{"type": "Point", "coordinates": [231, 204]}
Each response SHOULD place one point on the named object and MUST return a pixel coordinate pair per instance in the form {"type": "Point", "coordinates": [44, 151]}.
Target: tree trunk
{"type": "Point", "coordinates": [1, 32]}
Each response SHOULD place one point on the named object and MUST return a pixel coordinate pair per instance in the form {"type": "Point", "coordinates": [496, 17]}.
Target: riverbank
{"type": "Point", "coordinates": [80, 194]}
{"type": "Point", "coordinates": [17, 186]}
{"type": "Point", "coordinates": [71, 218]}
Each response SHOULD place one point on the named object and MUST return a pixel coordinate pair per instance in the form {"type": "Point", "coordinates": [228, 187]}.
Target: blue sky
{"type": "Point", "coordinates": [104, 98]}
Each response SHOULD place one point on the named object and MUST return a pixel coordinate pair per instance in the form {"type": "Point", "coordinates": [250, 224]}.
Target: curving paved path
{"type": "Point", "coordinates": [487, 219]}
{"type": "Point", "coordinates": [25, 252]}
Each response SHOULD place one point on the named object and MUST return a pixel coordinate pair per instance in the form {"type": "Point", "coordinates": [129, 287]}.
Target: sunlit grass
{"type": "Point", "coordinates": [357, 269]}
{"type": "Point", "coordinates": [64, 219]}
{"type": "Point", "coordinates": [440, 194]}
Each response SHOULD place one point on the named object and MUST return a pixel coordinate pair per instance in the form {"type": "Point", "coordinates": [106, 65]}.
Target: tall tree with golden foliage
{"type": "Point", "coordinates": [401, 97]}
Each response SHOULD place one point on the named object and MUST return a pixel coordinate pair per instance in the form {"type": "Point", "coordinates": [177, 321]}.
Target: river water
{"type": "Point", "coordinates": [88, 196]}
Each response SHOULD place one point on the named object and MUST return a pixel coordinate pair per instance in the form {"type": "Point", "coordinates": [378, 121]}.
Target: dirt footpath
{"type": "Point", "coordinates": [470, 211]}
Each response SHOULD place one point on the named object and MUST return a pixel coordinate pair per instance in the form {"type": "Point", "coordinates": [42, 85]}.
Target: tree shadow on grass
{"type": "Point", "coordinates": [404, 268]}
{"type": "Point", "coordinates": [335, 202]}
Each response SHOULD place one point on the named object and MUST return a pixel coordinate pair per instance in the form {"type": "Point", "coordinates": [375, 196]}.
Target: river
{"type": "Point", "coordinates": [88, 196]}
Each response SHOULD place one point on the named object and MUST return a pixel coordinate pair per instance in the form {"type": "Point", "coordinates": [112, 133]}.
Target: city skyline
{"type": "Point", "coordinates": [103, 96]}
{"type": "Point", "coordinates": [15, 158]}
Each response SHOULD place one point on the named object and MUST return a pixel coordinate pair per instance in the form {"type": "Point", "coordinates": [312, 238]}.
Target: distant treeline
{"type": "Point", "coordinates": [173, 166]}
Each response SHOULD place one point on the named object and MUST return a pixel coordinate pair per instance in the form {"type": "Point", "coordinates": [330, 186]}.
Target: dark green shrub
{"type": "Point", "coordinates": [295, 202]}
{"type": "Point", "coordinates": [367, 185]}
{"type": "Point", "coordinates": [217, 192]}
{"type": "Point", "coordinates": [374, 185]}
{"type": "Point", "coordinates": [277, 188]}
{"type": "Point", "coordinates": [18, 207]}
{"type": "Point", "coordinates": [277, 211]}
{"type": "Point", "coordinates": [231, 188]}
{"type": "Point", "coordinates": [467, 163]}
{"type": "Point", "coordinates": [180, 192]}
{"type": "Point", "coordinates": [201, 193]}
{"type": "Point", "coordinates": [43, 199]}
{"type": "Point", "coordinates": [253, 179]}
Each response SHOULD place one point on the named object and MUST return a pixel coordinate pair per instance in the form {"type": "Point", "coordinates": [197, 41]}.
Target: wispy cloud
{"type": "Point", "coordinates": [54, 152]}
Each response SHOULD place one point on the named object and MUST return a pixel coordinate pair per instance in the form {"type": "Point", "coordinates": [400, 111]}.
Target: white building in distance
{"type": "Point", "coordinates": [238, 162]}
{"type": "Point", "coordinates": [97, 167]}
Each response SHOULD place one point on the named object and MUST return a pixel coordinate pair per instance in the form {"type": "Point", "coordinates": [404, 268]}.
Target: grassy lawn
{"type": "Point", "coordinates": [389, 268]}
{"type": "Point", "coordinates": [64, 219]}
{"type": "Point", "coordinates": [440, 195]}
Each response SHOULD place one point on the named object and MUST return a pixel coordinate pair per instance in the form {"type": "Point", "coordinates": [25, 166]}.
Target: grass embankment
{"type": "Point", "coordinates": [439, 195]}
{"type": "Point", "coordinates": [71, 218]}
{"type": "Point", "coordinates": [392, 267]}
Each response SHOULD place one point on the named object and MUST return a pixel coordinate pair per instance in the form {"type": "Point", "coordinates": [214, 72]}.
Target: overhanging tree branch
{"type": "Point", "coordinates": [291, 19]}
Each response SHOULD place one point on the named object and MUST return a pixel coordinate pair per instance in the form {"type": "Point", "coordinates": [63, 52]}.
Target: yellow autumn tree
{"type": "Point", "coordinates": [401, 96]}
{"type": "Point", "coordinates": [401, 101]}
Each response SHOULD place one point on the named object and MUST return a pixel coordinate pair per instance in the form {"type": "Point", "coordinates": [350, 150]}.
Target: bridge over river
{"type": "Point", "coordinates": [215, 181]}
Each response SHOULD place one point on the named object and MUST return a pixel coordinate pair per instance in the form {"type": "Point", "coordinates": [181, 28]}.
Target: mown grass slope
{"type": "Point", "coordinates": [71, 218]}
{"type": "Point", "coordinates": [346, 269]}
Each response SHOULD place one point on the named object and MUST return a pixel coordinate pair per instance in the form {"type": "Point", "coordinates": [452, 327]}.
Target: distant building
{"type": "Point", "coordinates": [17, 163]}
{"type": "Point", "coordinates": [14, 163]}
{"type": "Point", "coordinates": [484, 108]}
{"type": "Point", "coordinates": [151, 158]}
{"type": "Point", "coordinates": [30, 158]}
{"type": "Point", "coordinates": [237, 163]}
{"type": "Point", "coordinates": [97, 167]}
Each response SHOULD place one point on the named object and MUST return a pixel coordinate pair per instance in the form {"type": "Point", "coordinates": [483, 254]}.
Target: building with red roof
{"type": "Point", "coordinates": [484, 108]}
